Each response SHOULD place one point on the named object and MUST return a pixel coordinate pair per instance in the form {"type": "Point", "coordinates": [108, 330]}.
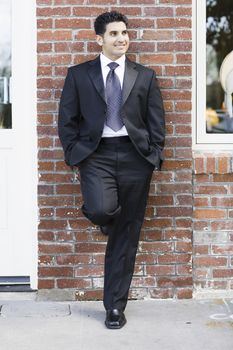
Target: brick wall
{"type": "Point", "coordinates": [213, 223]}
{"type": "Point", "coordinates": [71, 250]}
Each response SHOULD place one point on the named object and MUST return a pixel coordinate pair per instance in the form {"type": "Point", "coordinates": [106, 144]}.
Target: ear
{"type": "Point", "coordinates": [99, 40]}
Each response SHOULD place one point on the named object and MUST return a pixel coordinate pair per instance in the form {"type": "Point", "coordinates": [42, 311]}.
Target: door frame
{"type": "Point", "coordinates": [24, 103]}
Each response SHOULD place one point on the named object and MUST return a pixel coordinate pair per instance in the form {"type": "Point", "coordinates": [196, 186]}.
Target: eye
{"type": "Point", "coordinates": [125, 32]}
{"type": "Point", "coordinates": [113, 33]}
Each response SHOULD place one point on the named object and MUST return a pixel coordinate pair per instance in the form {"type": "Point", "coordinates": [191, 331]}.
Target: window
{"type": "Point", "coordinates": [5, 64]}
{"type": "Point", "coordinates": [214, 73]}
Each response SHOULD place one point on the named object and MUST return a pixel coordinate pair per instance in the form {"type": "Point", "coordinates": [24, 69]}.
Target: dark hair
{"type": "Point", "coordinates": [106, 18]}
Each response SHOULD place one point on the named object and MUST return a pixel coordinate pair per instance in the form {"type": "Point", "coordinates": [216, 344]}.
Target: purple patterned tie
{"type": "Point", "coordinates": [113, 98]}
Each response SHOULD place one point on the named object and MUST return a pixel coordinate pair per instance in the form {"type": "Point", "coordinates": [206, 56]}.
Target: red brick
{"type": "Point", "coordinates": [176, 2]}
{"type": "Point", "coordinates": [44, 70]}
{"type": "Point", "coordinates": [201, 202]}
{"type": "Point", "coordinates": [184, 34]}
{"type": "Point", "coordinates": [143, 282]}
{"type": "Point", "coordinates": [177, 164]}
{"type": "Point", "coordinates": [142, 47]}
{"type": "Point", "coordinates": [201, 249]}
{"type": "Point", "coordinates": [183, 175]}
{"type": "Point", "coordinates": [126, 2]}
{"type": "Point", "coordinates": [223, 177]}
{"type": "Point", "coordinates": [210, 261]}
{"type": "Point", "coordinates": [183, 70]}
{"type": "Point", "coordinates": [185, 270]}
{"type": "Point", "coordinates": [222, 249]}
{"type": "Point", "coordinates": [158, 11]}
{"type": "Point", "coordinates": [46, 212]}
{"type": "Point", "coordinates": [45, 235]}
{"type": "Point", "coordinates": [55, 248]}
{"type": "Point", "coordinates": [209, 214]}
{"type": "Point", "coordinates": [183, 247]}
{"type": "Point", "coordinates": [152, 235]}
{"type": "Point", "coordinates": [184, 293]}
{"type": "Point", "coordinates": [156, 58]}
{"type": "Point", "coordinates": [174, 258]}
{"type": "Point", "coordinates": [47, 35]}
{"type": "Point", "coordinates": [183, 58]}
{"type": "Point", "coordinates": [174, 211]}
{"type": "Point", "coordinates": [210, 189]}
{"type": "Point", "coordinates": [90, 270]}
{"type": "Point", "coordinates": [175, 188]}
{"type": "Point", "coordinates": [44, 47]}
{"type": "Point", "coordinates": [44, 23]}
{"type": "Point", "coordinates": [73, 283]}
{"type": "Point", "coordinates": [45, 190]}
{"type": "Point", "coordinates": [223, 165]}
{"type": "Point", "coordinates": [222, 273]}
{"type": "Point", "coordinates": [76, 259]}
{"type": "Point", "coordinates": [183, 223]}
{"type": "Point", "coordinates": [155, 247]}
{"type": "Point", "coordinates": [174, 23]}
{"type": "Point", "coordinates": [90, 248]}
{"type": "Point", "coordinates": [222, 202]}
{"type": "Point", "coordinates": [72, 23]}
{"type": "Point", "coordinates": [177, 234]}
{"type": "Point", "coordinates": [69, 2]}
{"type": "Point", "coordinates": [129, 11]}
{"type": "Point", "coordinates": [184, 11]}
{"type": "Point", "coordinates": [183, 83]}
{"type": "Point", "coordinates": [55, 271]}
{"type": "Point", "coordinates": [157, 34]}
{"type": "Point", "coordinates": [88, 11]}
{"type": "Point", "coordinates": [160, 270]}
{"type": "Point", "coordinates": [46, 283]}
{"type": "Point", "coordinates": [183, 141]}
{"type": "Point", "coordinates": [53, 11]}
{"type": "Point", "coordinates": [175, 46]}
{"type": "Point", "coordinates": [177, 281]}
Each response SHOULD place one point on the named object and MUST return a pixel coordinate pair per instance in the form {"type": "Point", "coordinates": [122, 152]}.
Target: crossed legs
{"type": "Point", "coordinates": [115, 183]}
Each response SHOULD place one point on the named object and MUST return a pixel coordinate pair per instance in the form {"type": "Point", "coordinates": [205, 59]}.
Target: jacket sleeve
{"type": "Point", "coordinates": [155, 117]}
{"type": "Point", "coordinates": [68, 118]}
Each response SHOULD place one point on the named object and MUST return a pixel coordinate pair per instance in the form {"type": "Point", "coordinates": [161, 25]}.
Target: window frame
{"type": "Point", "coordinates": [201, 139]}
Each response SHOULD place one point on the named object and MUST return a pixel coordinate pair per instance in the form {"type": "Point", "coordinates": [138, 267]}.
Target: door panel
{"type": "Point", "coordinates": [18, 168]}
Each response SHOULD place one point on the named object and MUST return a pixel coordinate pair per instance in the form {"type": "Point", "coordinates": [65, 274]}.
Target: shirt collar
{"type": "Point", "coordinates": [105, 60]}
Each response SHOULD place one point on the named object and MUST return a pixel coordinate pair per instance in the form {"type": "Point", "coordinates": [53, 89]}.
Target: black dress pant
{"type": "Point", "coordinates": [115, 182]}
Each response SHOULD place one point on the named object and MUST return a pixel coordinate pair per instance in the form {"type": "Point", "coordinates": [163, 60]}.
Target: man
{"type": "Point", "coordinates": [111, 126]}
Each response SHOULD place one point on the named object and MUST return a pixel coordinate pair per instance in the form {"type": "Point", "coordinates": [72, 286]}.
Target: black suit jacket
{"type": "Point", "coordinates": [83, 108]}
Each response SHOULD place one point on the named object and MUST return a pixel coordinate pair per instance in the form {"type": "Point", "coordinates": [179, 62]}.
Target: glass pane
{"type": "Point", "coordinates": [5, 64]}
{"type": "Point", "coordinates": [219, 66]}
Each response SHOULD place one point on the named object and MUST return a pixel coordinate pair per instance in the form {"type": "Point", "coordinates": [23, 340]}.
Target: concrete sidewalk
{"type": "Point", "coordinates": [152, 324]}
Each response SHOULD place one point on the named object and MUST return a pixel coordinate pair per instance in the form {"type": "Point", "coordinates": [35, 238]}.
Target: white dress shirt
{"type": "Point", "coordinates": [120, 70]}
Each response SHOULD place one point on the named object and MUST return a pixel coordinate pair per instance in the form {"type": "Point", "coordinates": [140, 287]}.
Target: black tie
{"type": "Point", "coordinates": [113, 98]}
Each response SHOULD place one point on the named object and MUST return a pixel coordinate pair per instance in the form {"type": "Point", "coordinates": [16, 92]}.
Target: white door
{"type": "Point", "coordinates": [18, 170]}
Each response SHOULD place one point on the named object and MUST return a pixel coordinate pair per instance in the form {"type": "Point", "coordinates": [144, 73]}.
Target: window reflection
{"type": "Point", "coordinates": [5, 64]}
{"type": "Point", "coordinates": [219, 66]}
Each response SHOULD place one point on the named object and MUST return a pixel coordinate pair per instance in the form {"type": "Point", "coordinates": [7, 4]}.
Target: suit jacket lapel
{"type": "Point", "coordinates": [129, 79]}
{"type": "Point", "coordinates": [95, 74]}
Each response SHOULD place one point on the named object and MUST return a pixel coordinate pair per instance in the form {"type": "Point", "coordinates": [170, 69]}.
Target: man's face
{"type": "Point", "coordinates": [115, 40]}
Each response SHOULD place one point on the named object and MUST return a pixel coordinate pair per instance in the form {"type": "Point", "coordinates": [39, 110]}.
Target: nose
{"type": "Point", "coordinates": [121, 38]}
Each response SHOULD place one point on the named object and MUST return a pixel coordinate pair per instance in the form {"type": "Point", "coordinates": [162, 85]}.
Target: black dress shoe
{"type": "Point", "coordinates": [115, 319]}
{"type": "Point", "coordinates": [104, 230]}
